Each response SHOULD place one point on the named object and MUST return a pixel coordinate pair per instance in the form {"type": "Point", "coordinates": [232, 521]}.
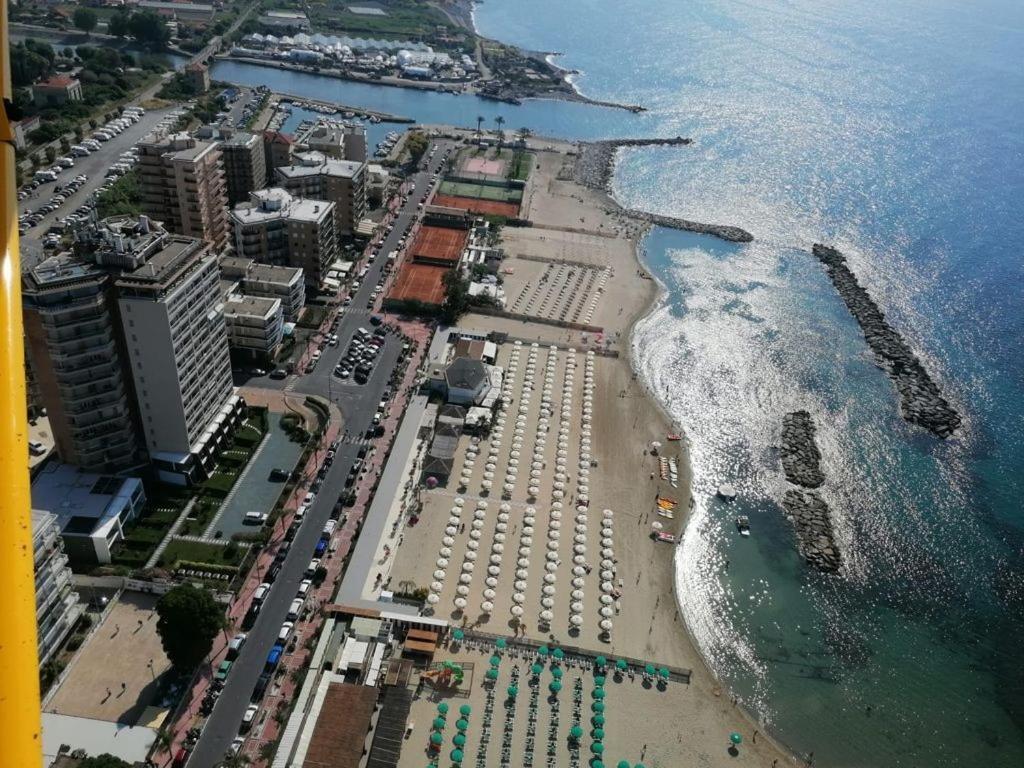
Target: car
{"type": "Point", "coordinates": [223, 670]}
{"type": "Point", "coordinates": [235, 747]}
{"type": "Point", "coordinates": [236, 645]}
{"type": "Point", "coordinates": [343, 373]}
{"type": "Point", "coordinates": [304, 587]}
{"type": "Point", "coordinates": [260, 593]}
{"type": "Point", "coordinates": [278, 373]}
{"type": "Point", "coordinates": [311, 568]}
{"type": "Point", "coordinates": [375, 320]}
{"type": "Point", "coordinates": [321, 547]}
{"type": "Point", "coordinates": [36, 448]}
{"type": "Point", "coordinates": [285, 632]}
{"type": "Point", "coordinates": [258, 372]}
{"type": "Point", "coordinates": [274, 572]}
{"type": "Point", "coordinates": [309, 498]}
{"type": "Point", "coordinates": [295, 608]}
{"type": "Point", "coordinates": [282, 551]}
{"type": "Point", "coordinates": [278, 475]}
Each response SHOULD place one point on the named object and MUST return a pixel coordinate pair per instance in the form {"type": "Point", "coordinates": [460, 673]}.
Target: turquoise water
{"type": "Point", "coordinates": [893, 131]}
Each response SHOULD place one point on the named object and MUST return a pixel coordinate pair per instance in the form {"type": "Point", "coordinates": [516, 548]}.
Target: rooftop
{"type": "Point", "coordinates": [81, 501]}
{"type": "Point", "coordinates": [239, 267]}
{"type": "Point", "coordinates": [466, 373]}
{"type": "Point", "coordinates": [251, 306]}
{"type": "Point", "coordinates": [342, 726]}
{"type": "Point", "coordinates": [275, 203]}
{"type": "Point", "coordinates": [318, 164]}
{"type": "Point", "coordinates": [175, 254]}
{"type": "Point", "coordinates": [57, 81]}
{"type": "Point", "coordinates": [60, 270]}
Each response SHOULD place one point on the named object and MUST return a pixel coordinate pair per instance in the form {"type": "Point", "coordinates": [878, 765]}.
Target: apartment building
{"type": "Point", "coordinates": [337, 140]}
{"type": "Point", "coordinates": [342, 182]}
{"type": "Point", "coordinates": [267, 280]}
{"type": "Point", "coordinates": [78, 363]}
{"type": "Point", "coordinates": [276, 227]}
{"type": "Point", "coordinates": [182, 183]}
{"type": "Point", "coordinates": [277, 148]}
{"type": "Point", "coordinates": [255, 327]}
{"type": "Point", "coordinates": [173, 321]}
{"type": "Point", "coordinates": [245, 166]}
{"type": "Point", "coordinates": [57, 604]}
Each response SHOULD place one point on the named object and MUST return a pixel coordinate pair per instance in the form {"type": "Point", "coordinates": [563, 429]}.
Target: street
{"type": "Point", "coordinates": [358, 404]}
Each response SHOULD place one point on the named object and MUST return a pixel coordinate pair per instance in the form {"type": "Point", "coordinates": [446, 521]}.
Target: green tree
{"type": "Point", "coordinates": [84, 19]}
{"type": "Point", "coordinates": [189, 620]}
{"type": "Point", "coordinates": [118, 23]}
{"type": "Point", "coordinates": [500, 121]}
{"type": "Point", "coordinates": [456, 297]}
{"type": "Point", "coordinates": [106, 760]}
{"type": "Point", "coordinates": [149, 29]}
{"type": "Point", "coordinates": [416, 143]}
{"type": "Point", "coordinates": [30, 61]}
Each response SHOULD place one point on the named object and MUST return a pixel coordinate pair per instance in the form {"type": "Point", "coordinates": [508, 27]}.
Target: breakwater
{"type": "Point", "coordinates": [721, 231]}
{"type": "Point", "coordinates": [801, 459]}
{"type": "Point", "coordinates": [921, 402]}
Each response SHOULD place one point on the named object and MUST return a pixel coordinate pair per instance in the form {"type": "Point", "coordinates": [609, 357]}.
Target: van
{"type": "Point", "coordinates": [294, 609]}
{"type": "Point", "coordinates": [79, 150]}
{"type": "Point", "coordinates": [253, 517]}
{"type": "Point", "coordinates": [44, 176]}
{"type": "Point", "coordinates": [261, 592]}
{"type": "Point", "coordinates": [329, 527]}
{"type": "Point", "coordinates": [223, 670]}
{"type": "Point", "coordinates": [301, 511]}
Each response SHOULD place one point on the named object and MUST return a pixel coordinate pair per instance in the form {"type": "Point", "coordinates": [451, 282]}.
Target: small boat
{"type": "Point", "coordinates": [743, 525]}
{"type": "Point", "coordinates": [673, 438]}
{"type": "Point", "coordinates": [668, 538]}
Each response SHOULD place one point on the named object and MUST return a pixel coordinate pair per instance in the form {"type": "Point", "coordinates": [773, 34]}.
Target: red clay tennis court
{"type": "Point", "coordinates": [419, 282]}
{"type": "Point", "coordinates": [473, 205]}
{"type": "Point", "coordinates": [439, 243]}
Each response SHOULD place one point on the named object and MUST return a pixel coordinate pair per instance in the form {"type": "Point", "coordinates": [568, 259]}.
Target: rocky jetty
{"type": "Point", "coordinates": [595, 160]}
{"type": "Point", "coordinates": [921, 401]}
{"type": "Point", "coordinates": [721, 231]}
{"type": "Point", "coordinates": [813, 523]}
{"type": "Point", "coordinates": [801, 458]}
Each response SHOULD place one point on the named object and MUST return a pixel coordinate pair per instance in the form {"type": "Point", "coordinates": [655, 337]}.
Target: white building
{"type": "Point", "coordinates": [91, 510]}
{"type": "Point", "coordinates": [255, 327]}
{"type": "Point", "coordinates": [178, 352]}
{"type": "Point", "coordinates": [57, 606]}
{"type": "Point", "coordinates": [342, 182]}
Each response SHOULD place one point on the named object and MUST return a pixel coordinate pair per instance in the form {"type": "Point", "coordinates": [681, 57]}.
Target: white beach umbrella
{"type": "Point", "coordinates": [607, 564]}
{"type": "Point", "coordinates": [445, 552]}
{"type": "Point", "coordinates": [579, 570]}
{"type": "Point", "coordinates": [489, 594]}
{"type": "Point", "coordinates": [607, 575]}
{"type": "Point", "coordinates": [607, 514]}
{"type": "Point", "coordinates": [576, 620]}
{"type": "Point", "coordinates": [607, 599]}
{"type": "Point", "coordinates": [462, 590]}
{"type": "Point", "coordinates": [451, 530]}
{"type": "Point", "coordinates": [551, 566]}
{"type": "Point", "coordinates": [546, 616]}
{"type": "Point", "coordinates": [518, 598]}
{"type": "Point", "coordinates": [516, 610]}
{"type": "Point", "coordinates": [436, 586]}
{"type": "Point", "coordinates": [496, 559]}
{"type": "Point", "coordinates": [459, 501]}
{"type": "Point", "coordinates": [487, 606]}
{"type": "Point", "coordinates": [606, 625]}
{"type": "Point", "coordinates": [528, 525]}
{"type": "Point", "coordinates": [523, 562]}
{"type": "Point", "coordinates": [473, 545]}
{"type": "Point", "coordinates": [525, 551]}
{"type": "Point", "coordinates": [577, 594]}
{"type": "Point", "coordinates": [607, 587]}
{"type": "Point", "coordinates": [579, 559]}
{"type": "Point", "coordinates": [552, 546]}
{"type": "Point", "coordinates": [576, 607]}
{"type": "Point", "coordinates": [460, 603]}
{"type": "Point", "coordinates": [579, 538]}
{"type": "Point", "coordinates": [433, 599]}
{"type": "Point", "coordinates": [549, 578]}
{"type": "Point", "coordinates": [486, 484]}
{"type": "Point", "coordinates": [548, 589]}
{"type": "Point", "coordinates": [478, 524]}
{"type": "Point", "coordinates": [490, 581]}
{"type": "Point", "coordinates": [580, 549]}
{"type": "Point", "coordinates": [547, 602]}
{"type": "Point", "coordinates": [520, 585]}
{"type": "Point", "coordinates": [475, 534]}
{"type": "Point", "coordinates": [499, 537]}
{"type": "Point", "coordinates": [439, 574]}
{"type": "Point", "coordinates": [470, 555]}
{"type": "Point", "coordinates": [493, 570]}
{"type": "Point", "coordinates": [442, 562]}
{"type": "Point", "coordinates": [607, 542]}
{"type": "Point", "coordinates": [578, 582]}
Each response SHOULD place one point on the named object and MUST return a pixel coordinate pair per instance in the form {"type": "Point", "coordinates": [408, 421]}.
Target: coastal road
{"type": "Point", "coordinates": [358, 404]}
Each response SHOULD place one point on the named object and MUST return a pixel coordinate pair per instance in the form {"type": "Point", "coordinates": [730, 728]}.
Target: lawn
{"type": "Point", "coordinates": [225, 555]}
{"type": "Point", "coordinates": [405, 19]}
{"type": "Point", "coordinates": [519, 168]}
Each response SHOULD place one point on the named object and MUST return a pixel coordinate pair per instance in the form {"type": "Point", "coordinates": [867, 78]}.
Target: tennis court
{"type": "Point", "coordinates": [482, 207]}
{"type": "Point", "coordinates": [419, 282]}
{"type": "Point", "coordinates": [481, 165]}
{"type": "Point", "coordinates": [480, 191]}
{"type": "Point", "coordinates": [439, 243]}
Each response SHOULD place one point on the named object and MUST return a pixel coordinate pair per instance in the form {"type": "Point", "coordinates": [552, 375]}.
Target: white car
{"type": "Point", "coordinates": [294, 609]}
{"type": "Point", "coordinates": [250, 716]}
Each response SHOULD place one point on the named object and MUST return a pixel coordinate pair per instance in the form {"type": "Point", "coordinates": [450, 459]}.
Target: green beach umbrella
{"type": "Point", "coordinates": [555, 686]}
{"type": "Point", "coordinates": [542, 651]}
{"type": "Point", "coordinates": [576, 732]}
{"type": "Point", "coordinates": [596, 764]}
{"type": "Point", "coordinates": [459, 740]}
{"type": "Point", "coordinates": [439, 723]}
{"type": "Point", "coordinates": [597, 747]}
{"type": "Point", "coordinates": [639, 765]}
{"type": "Point", "coordinates": [512, 690]}
{"type": "Point", "coordinates": [598, 734]}
{"type": "Point", "coordinates": [492, 674]}
{"type": "Point", "coordinates": [495, 661]}
{"type": "Point", "coordinates": [443, 708]}
{"type": "Point", "coordinates": [558, 653]}
{"type": "Point", "coordinates": [436, 739]}
{"type": "Point", "coordinates": [622, 665]}
{"type": "Point", "coordinates": [462, 724]}
{"type": "Point", "coordinates": [458, 634]}
{"type": "Point", "coordinates": [663, 672]}
{"type": "Point", "coordinates": [649, 669]}
{"type": "Point", "coordinates": [456, 755]}
{"type": "Point", "coordinates": [599, 681]}
{"type": "Point", "coordinates": [599, 693]}
{"type": "Point", "coordinates": [557, 672]}
{"type": "Point", "coordinates": [597, 720]}
{"type": "Point", "coordinates": [735, 738]}
{"type": "Point", "coordinates": [500, 643]}
{"type": "Point", "coordinates": [465, 709]}
{"type": "Point", "coordinates": [537, 669]}
{"type": "Point", "coordinates": [601, 661]}
{"type": "Point", "coordinates": [597, 706]}
{"type": "Point", "coordinates": [623, 764]}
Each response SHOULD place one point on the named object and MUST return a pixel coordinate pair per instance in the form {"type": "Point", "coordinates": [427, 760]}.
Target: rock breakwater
{"type": "Point", "coordinates": [721, 231]}
{"type": "Point", "coordinates": [801, 458]}
{"type": "Point", "coordinates": [921, 402]}
{"type": "Point", "coordinates": [813, 522]}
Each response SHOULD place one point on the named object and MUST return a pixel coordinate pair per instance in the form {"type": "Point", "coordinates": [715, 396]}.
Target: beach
{"type": "Point", "coordinates": [566, 495]}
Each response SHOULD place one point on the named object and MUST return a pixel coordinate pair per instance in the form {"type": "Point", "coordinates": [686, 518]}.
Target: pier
{"type": "Point", "coordinates": [333, 107]}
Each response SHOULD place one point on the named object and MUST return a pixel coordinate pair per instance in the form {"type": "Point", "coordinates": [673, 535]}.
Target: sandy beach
{"type": "Point", "coordinates": [544, 529]}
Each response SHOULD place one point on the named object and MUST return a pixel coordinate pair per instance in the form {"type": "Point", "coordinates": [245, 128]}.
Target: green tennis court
{"type": "Point", "coordinates": [481, 191]}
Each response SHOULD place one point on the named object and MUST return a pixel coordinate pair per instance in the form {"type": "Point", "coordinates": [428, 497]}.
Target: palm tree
{"type": "Point", "coordinates": [479, 121]}
{"type": "Point", "coordinates": [500, 121]}
{"type": "Point", "coordinates": [524, 134]}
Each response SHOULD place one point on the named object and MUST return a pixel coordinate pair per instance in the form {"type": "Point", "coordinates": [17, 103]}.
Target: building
{"type": "Point", "coordinates": [276, 227]}
{"type": "Point", "coordinates": [72, 336]}
{"type": "Point", "coordinates": [466, 381]}
{"type": "Point", "coordinates": [255, 327]}
{"type": "Point", "coordinates": [198, 76]}
{"type": "Point", "coordinates": [181, 183]}
{"type": "Point", "coordinates": [245, 166]}
{"type": "Point", "coordinates": [267, 280]}
{"type": "Point", "coordinates": [337, 140]}
{"type": "Point", "coordinates": [175, 334]}
{"type": "Point", "coordinates": [277, 148]}
{"type": "Point", "coordinates": [342, 182]}
{"type": "Point", "coordinates": [186, 13]}
{"type": "Point", "coordinates": [23, 130]}
{"type": "Point", "coordinates": [57, 90]}
{"type": "Point", "coordinates": [90, 510]}
{"type": "Point", "coordinates": [57, 605]}
{"type": "Point", "coordinates": [285, 20]}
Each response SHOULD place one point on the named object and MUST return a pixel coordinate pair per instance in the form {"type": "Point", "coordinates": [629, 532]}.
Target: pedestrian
{"type": "Point", "coordinates": [754, 740]}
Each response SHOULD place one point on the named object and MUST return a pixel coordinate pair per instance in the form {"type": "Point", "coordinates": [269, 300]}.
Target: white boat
{"type": "Point", "coordinates": [743, 525]}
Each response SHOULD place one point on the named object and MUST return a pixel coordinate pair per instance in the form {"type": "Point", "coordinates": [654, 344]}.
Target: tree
{"type": "Point", "coordinates": [84, 19]}
{"type": "Point", "coordinates": [30, 61]}
{"type": "Point", "coordinates": [106, 760]}
{"type": "Point", "coordinates": [118, 23]}
{"type": "Point", "coordinates": [148, 29]}
{"type": "Point", "coordinates": [189, 620]}
{"type": "Point", "coordinates": [456, 297]}
{"type": "Point", "coordinates": [479, 121]}
{"type": "Point", "coordinates": [500, 121]}
{"type": "Point", "coordinates": [524, 134]}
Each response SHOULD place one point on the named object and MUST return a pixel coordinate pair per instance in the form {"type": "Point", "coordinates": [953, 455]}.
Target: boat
{"type": "Point", "coordinates": [668, 538]}
{"type": "Point", "coordinates": [743, 525]}
{"type": "Point", "coordinates": [673, 438]}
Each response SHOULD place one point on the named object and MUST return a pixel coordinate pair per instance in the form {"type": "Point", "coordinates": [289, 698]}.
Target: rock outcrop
{"type": "Point", "coordinates": [813, 523]}
{"type": "Point", "coordinates": [801, 458]}
{"type": "Point", "coordinates": [921, 401]}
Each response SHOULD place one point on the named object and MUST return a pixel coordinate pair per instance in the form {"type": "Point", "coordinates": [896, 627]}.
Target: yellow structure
{"type": "Point", "coordinates": [20, 731]}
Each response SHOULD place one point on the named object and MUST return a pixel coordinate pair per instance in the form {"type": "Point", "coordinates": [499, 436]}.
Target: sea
{"type": "Point", "coordinates": [895, 132]}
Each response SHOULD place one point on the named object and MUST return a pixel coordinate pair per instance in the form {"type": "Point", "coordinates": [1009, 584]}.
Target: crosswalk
{"type": "Point", "coordinates": [355, 440]}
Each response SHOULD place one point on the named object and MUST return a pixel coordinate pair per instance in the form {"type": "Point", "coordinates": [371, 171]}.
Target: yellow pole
{"type": "Point", "coordinates": [20, 731]}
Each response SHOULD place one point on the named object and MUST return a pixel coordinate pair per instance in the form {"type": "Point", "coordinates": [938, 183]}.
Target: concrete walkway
{"type": "Point", "coordinates": [171, 534]}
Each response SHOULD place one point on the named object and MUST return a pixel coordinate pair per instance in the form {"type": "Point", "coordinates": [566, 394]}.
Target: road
{"type": "Point", "coordinates": [94, 166]}
{"type": "Point", "coordinates": [358, 403]}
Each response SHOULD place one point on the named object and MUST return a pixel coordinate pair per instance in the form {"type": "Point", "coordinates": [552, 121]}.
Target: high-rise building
{"type": "Point", "coordinates": [340, 141]}
{"type": "Point", "coordinates": [181, 183]}
{"type": "Point", "coordinates": [57, 605]}
{"type": "Point", "coordinates": [173, 321]}
{"type": "Point", "coordinates": [73, 341]}
{"type": "Point", "coordinates": [276, 227]}
{"type": "Point", "coordinates": [342, 182]}
{"type": "Point", "coordinates": [245, 166]}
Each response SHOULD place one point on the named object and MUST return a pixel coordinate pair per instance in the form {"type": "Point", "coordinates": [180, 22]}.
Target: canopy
{"type": "Point", "coordinates": [512, 690]}
{"type": "Point", "coordinates": [597, 747]}
{"type": "Point", "coordinates": [492, 674]}
{"type": "Point", "coordinates": [601, 661]}
{"type": "Point", "coordinates": [542, 651]}
{"type": "Point", "coordinates": [558, 653]}
{"type": "Point", "coordinates": [598, 734]}
{"type": "Point", "coordinates": [597, 706]}
{"type": "Point", "coordinates": [465, 709]}
{"type": "Point", "coordinates": [663, 672]}
{"type": "Point", "coordinates": [555, 686]}
{"type": "Point", "coordinates": [458, 634]}
{"type": "Point", "coordinates": [597, 720]}
{"type": "Point", "coordinates": [599, 693]}
{"type": "Point", "coordinates": [623, 764]}
{"type": "Point", "coordinates": [536, 669]}
{"type": "Point", "coordinates": [495, 660]}
{"type": "Point", "coordinates": [557, 672]}
{"type": "Point", "coordinates": [500, 643]}
{"type": "Point", "coordinates": [735, 738]}
{"type": "Point", "coordinates": [599, 681]}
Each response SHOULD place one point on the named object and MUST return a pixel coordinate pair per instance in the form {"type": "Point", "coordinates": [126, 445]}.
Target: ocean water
{"type": "Point", "coordinates": [896, 132]}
